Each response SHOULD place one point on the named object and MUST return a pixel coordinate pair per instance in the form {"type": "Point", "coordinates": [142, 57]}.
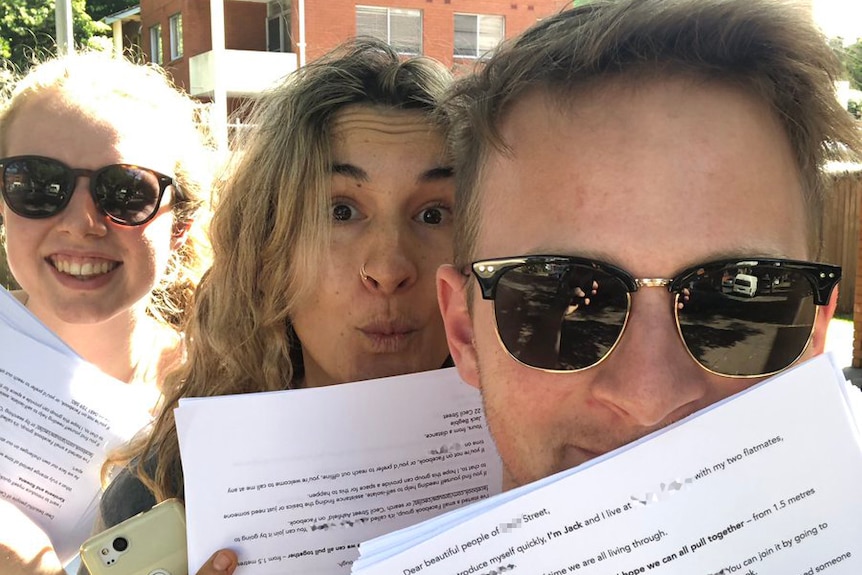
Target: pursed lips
{"type": "Point", "coordinates": [389, 335]}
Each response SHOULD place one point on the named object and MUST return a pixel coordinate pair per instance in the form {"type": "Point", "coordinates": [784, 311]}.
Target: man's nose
{"type": "Point", "coordinates": [650, 379]}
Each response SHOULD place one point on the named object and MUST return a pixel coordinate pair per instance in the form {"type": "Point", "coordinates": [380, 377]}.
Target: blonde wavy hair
{"type": "Point", "coordinates": [269, 230]}
{"type": "Point", "coordinates": [112, 85]}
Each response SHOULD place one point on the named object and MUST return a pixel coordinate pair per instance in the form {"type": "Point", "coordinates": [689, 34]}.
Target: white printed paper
{"type": "Point", "coordinates": [766, 483]}
{"type": "Point", "coordinates": [59, 416]}
{"type": "Point", "coordinates": [294, 480]}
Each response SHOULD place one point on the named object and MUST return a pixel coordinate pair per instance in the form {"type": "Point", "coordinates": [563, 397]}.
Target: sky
{"type": "Point", "coordinates": [839, 18]}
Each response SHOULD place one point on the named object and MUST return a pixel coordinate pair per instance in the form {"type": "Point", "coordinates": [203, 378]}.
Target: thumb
{"type": "Point", "coordinates": [223, 562]}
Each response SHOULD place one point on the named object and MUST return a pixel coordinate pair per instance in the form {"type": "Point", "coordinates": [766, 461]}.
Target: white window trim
{"type": "Point", "coordinates": [477, 55]}
{"type": "Point", "coordinates": [284, 33]}
{"type": "Point", "coordinates": [156, 54]}
{"type": "Point", "coordinates": [388, 38]}
{"type": "Point", "coordinates": [176, 39]}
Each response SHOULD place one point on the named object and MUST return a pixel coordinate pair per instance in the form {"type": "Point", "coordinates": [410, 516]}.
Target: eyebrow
{"type": "Point", "coordinates": [438, 173]}
{"type": "Point", "coordinates": [350, 171]}
{"type": "Point", "coordinates": [357, 173]}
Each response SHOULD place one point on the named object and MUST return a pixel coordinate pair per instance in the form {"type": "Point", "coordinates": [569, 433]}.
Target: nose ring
{"type": "Point", "coordinates": [363, 274]}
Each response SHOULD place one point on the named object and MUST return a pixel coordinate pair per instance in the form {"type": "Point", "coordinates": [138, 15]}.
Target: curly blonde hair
{"type": "Point", "coordinates": [269, 231]}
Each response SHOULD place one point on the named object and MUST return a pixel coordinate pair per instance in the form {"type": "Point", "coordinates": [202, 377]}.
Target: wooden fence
{"type": "Point", "coordinates": [841, 235]}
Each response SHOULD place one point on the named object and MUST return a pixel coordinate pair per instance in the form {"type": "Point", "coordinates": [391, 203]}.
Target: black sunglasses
{"type": "Point", "coordinates": [737, 318]}
{"type": "Point", "coordinates": [38, 187]}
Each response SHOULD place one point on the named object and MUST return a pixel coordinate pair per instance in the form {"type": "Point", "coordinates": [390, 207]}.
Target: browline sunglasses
{"type": "Point", "coordinates": [736, 318]}
{"type": "Point", "coordinates": [39, 187]}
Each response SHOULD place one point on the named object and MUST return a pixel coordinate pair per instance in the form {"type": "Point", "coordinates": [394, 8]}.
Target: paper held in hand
{"type": "Point", "coordinates": [59, 416]}
{"type": "Point", "coordinates": [764, 483]}
{"type": "Point", "coordinates": [294, 480]}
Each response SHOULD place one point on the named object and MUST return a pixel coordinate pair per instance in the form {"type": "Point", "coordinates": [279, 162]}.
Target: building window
{"type": "Point", "coordinates": [477, 35]}
{"type": "Point", "coordinates": [278, 26]}
{"type": "Point", "coordinates": [176, 22]}
{"type": "Point", "coordinates": [156, 44]}
{"type": "Point", "coordinates": [400, 28]}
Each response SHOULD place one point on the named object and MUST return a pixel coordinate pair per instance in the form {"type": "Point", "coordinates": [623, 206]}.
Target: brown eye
{"type": "Point", "coordinates": [342, 212]}
{"type": "Point", "coordinates": [434, 215]}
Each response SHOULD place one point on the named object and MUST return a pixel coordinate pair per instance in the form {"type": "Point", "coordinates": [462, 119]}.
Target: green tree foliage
{"type": "Point", "coordinates": [853, 63]}
{"type": "Point", "coordinates": [27, 30]}
{"type": "Point", "coordinates": [6, 279]}
{"type": "Point", "coordinates": [98, 9]}
{"type": "Point", "coordinates": [851, 59]}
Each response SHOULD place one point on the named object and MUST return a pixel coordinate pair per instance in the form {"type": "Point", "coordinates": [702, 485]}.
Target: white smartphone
{"type": "Point", "coordinates": [150, 543]}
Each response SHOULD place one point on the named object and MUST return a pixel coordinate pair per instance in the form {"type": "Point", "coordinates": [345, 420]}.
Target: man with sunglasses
{"type": "Point", "coordinates": [619, 166]}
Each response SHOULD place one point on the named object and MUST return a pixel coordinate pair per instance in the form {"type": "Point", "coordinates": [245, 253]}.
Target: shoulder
{"type": "Point", "coordinates": [125, 497]}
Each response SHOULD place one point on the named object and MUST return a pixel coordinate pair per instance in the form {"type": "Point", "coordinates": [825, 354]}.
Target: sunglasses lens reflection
{"type": "Point", "coordinates": [734, 321]}
{"type": "Point", "coordinates": [127, 194]}
{"type": "Point", "coordinates": [36, 188]}
{"type": "Point", "coordinates": [746, 321]}
{"type": "Point", "coordinates": [559, 316]}
{"type": "Point", "coordinates": [41, 187]}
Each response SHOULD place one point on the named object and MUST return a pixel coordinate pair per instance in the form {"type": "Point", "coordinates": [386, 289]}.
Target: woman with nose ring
{"type": "Point", "coordinates": [329, 228]}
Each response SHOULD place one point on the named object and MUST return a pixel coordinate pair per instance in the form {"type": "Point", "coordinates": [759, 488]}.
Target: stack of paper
{"type": "Point", "coordinates": [767, 482]}
{"type": "Point", "coordinates": [59, 416]}
{"type": "Point", "coordinates": [293, 481]}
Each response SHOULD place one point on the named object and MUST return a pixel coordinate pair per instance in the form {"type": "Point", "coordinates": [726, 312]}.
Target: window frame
{"type": "Point", "coordinates": [281, 17]}
{"type": "Point", "coordinates": [387, 11]}
{"type": "Point", "coordinates": [477, 28]}
{"type": "Point", "coordinates": [175, 24]}
{"type": "Point", "coordinates": [157, 55]}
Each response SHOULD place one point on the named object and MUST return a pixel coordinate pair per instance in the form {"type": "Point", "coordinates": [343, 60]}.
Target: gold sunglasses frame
{"type": "Point", "coordinates": [823, 278]}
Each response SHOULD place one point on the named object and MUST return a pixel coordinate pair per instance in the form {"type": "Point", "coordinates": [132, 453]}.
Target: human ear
{"type": "Point", "coordinates": [452, 298]}
{"type": "Point", "coordinates": [824, 316]}
{"type": "Point", "coordinates": [179, 232]}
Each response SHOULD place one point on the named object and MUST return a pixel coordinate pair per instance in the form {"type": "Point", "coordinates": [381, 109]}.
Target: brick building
{"type": "Point", "coordinates": [223, 50]}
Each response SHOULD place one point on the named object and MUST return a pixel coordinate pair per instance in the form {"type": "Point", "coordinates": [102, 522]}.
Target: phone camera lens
{"type": "Point", "coordinates": [120, 544]}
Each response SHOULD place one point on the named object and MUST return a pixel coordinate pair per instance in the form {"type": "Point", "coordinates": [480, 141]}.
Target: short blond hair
{"type": "Point", "coordinates": [769, 47]}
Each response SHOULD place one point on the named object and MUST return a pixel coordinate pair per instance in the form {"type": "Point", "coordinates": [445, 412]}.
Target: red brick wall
{"type": "Point", "coordinates": [330, 22]}
{"type": "Point", "coordinates": [245, 29]}
{"type": "Point", "coordinates": [327, 23]}
{"type": "Point", "coordinates": [245, 25]}
{"type": "Point", "coordinates": [159, 12]}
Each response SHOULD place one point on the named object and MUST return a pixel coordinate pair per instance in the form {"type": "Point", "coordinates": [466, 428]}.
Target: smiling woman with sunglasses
{"type": "Point", "coordinates": [103, 175]}
{"type": "Point", "coordinates": [103, 172]}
